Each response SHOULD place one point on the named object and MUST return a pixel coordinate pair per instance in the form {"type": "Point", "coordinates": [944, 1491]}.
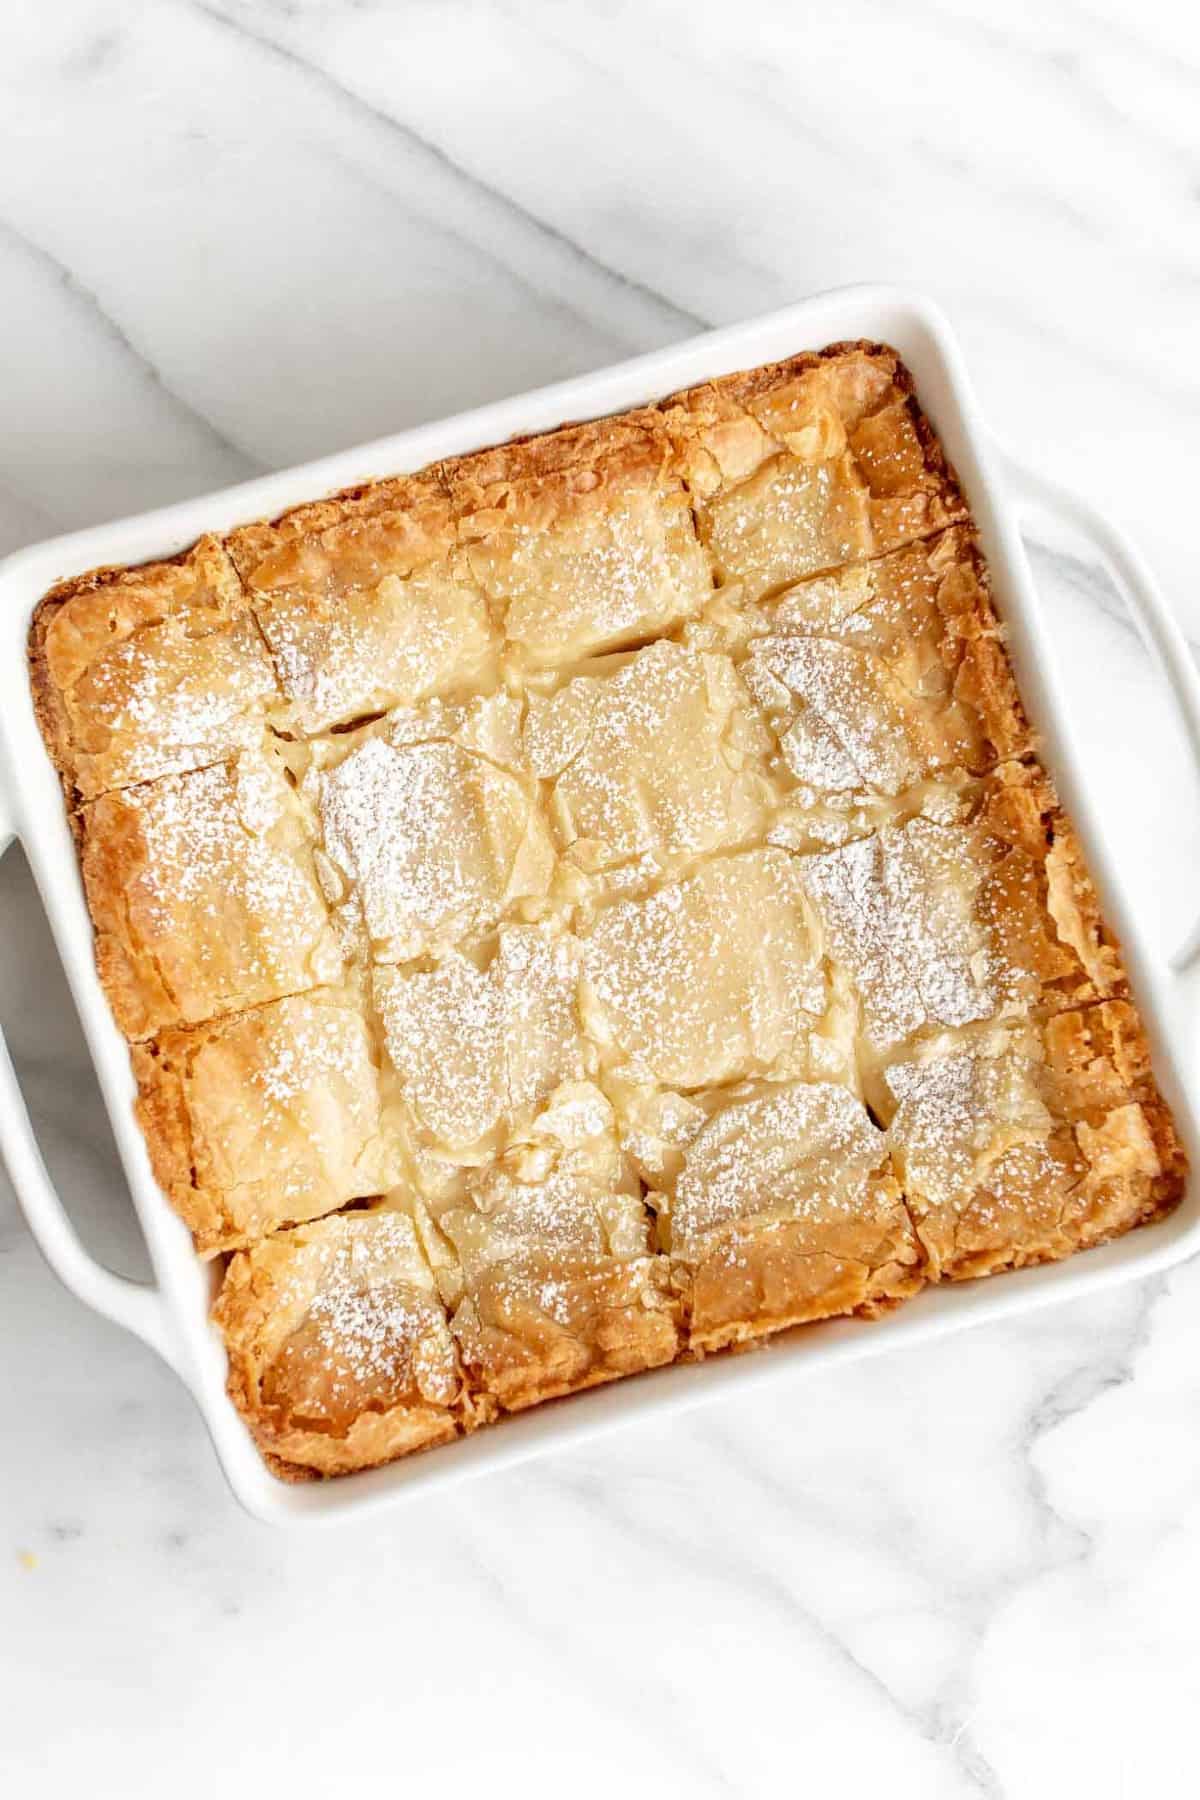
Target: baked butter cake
{"type": "Point", "coordinates": [590, 903]}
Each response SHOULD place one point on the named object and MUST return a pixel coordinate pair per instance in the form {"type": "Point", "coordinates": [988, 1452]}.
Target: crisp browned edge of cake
{"type": "Point", "coordinates": [622, 439]}
{"type": "Point", "coordinates": [47, 700]}
{"type": "Point", "coordinates": [627, 444]}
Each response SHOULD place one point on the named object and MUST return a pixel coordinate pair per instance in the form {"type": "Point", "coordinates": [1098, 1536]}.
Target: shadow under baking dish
{"type": "Point", "coordinates": [173, 1316]}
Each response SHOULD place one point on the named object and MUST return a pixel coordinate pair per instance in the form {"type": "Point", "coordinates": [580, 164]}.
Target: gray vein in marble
{"type": "Point", "coordinates": [723, 82]}
{"type": "Point", "coordinates": [95, 53]}
{"type": "Point", "coordinates": [1008, 1550]}
{"type": "Point", "coordinates": [1106, 25]}
{"type": "Point", "coordinates": [1060, 1542]}
{"type": "Point", "coordinates": [1065, 66]}
{"type": "Point", "coordinates": [1071, 1394]}
{"type": "Point", "coordinates": [1071, 65]}
{"type": "Point", "coordinates": [638, 1684]}
{"type": "Point", "coordinates": [736, 1567]}
{"type": "Point", "coordinates": [1173, 393]}
{"type": "Point", "coordinates": [1048, 200]}
{"type": "Point", "coordinates": [1092, 583]}
{"type": "Point", "coordinates": [668, 311]}
{"type": "Point", "coordinates": [45, 523]}
{"type": "Point", "coordinates": [439, 228]}
{"type": "Point", "coordinates": [943, 1721]}
{"type": "Point", "coordinates": [88, 303]}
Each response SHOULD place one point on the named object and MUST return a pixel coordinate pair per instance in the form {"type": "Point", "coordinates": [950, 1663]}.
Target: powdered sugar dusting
{"type": "Point", "coordinates": [318, 1045]}
{"type": "Point", "coordinates": [169, 700]}
{"type": "Point", "coordinates": [227, 867]}
{"type": "Point", "coordinates": [597, 579]}
{"type": "Point", "coordinates": [709, 978]}
{"type": "Point", "coordinates": [562, 1202]}
{"type": "Point", "coordinates": [373, 1312]}
{"type": "Point", "coordinates": [584, 914]}
{"type": "Point", "coordinates": [844, 723]}
{"type": "Point", "coordinates": [372, 648]}
{"type": "Point", "coordinates": [431, 837]}
{"type": "Point", "coordinates": [901, 911]}
{"type": "Point", "coordinates": [652, 760]}
{"type": "Point", "coordinates": [970, 1115]}
{"type": "Point", "coordinates": [802, 1151]}
{"type": "Point", "coordinates": [791, 519]}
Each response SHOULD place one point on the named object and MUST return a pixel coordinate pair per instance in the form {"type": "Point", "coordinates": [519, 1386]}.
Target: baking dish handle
{"type": "Point", "coordinates": [1156, 623]}
{"type": "Point", "coordinates": [128, 1303]}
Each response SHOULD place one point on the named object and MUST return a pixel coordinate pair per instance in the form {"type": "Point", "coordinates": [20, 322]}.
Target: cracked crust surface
{"type": "Point", "coordinates": [1027, 1140]}
{"type": "Point", "coordinates": [810, 464]}
{"type": "Point", "coordinates": [267, 1118]}
{"type": "Point", "coordinates": [590, 902]}
{"type": "Point", "coordinates": [783, 1208]}
{"type": "Point", "coordinates": [364, 605]}
{"type": "Point", "coordinates": [204, 895]}
{"type": "Point", "coordinates": [340, 1351]}
{"type": "Point", "coordinates": [945, 921]}
{"type": "Point", "coordinates": [546, 1257]}
{"type": "Point", "coordinates": [139, 673]}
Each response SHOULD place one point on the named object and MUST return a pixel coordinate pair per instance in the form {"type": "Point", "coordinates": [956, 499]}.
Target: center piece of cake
{"type": "Point", "coordinates": [589, 903]}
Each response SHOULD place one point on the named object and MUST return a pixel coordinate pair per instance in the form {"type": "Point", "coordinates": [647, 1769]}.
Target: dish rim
{"type": "Point", "coordinates": [174, 1315]}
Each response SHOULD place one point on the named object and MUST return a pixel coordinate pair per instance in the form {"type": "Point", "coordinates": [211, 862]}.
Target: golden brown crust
{"type": "Point", "coordinates": [883, 675]}
{"type": "Point", "coordinates": [112, 855]}
{"type": "Point", "coordinates": [968, 639]}
{"type": "Point", "coordinates": [965, 634]}
{"type": "Point", "coordinates": [401, 523]}
{"type": "Point", "coordinates": [1039, 904]}
{"type": "Point", "coordinates": [603, 1323]}
{"type": "Point", "coordinates": [360, 1285]}
{"type": "Point", "coordinates": [204, 896]}
{"type": "Point", "coordinates": [752, 1283]}
{"type": "Point", "coordinates": [941, 921]}
{"type": "Point", "coordinates": [1022, 1143]}
{"type": "Point", "coordinates": [363, 604]}
{"type": "Point", "coordinates": [268, 1118]}
{"type": "Point", "coordinates": [583, 541]}
{"type": "Point", "coordinates": [782, 1208]}
{"type": "Point", "coordinates": [162, 1113]}
{"type": "Point", "coordinates": [531, 481]}
{"type": "Point", "coordinates": [48, 703]}
{"type": "Point", "coordinates": [671, 762]}
{"type": "Point", "coordinates": [139, 673]}
{"type": "Point", "coordinates": [810, 463]}
{"type": "Point", "coordinates": [546, 1262]}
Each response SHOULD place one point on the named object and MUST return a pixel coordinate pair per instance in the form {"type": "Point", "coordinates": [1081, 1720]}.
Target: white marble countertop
{"type": "Point", "coordinates": [238, 233]}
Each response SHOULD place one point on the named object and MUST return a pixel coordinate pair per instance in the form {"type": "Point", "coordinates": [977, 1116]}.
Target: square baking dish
{"type": "Point", "coordinates": [173, 1315]}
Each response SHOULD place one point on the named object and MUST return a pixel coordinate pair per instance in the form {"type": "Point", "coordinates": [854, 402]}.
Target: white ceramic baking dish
{"type": "Point", "coordinates": [173, 1315]}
